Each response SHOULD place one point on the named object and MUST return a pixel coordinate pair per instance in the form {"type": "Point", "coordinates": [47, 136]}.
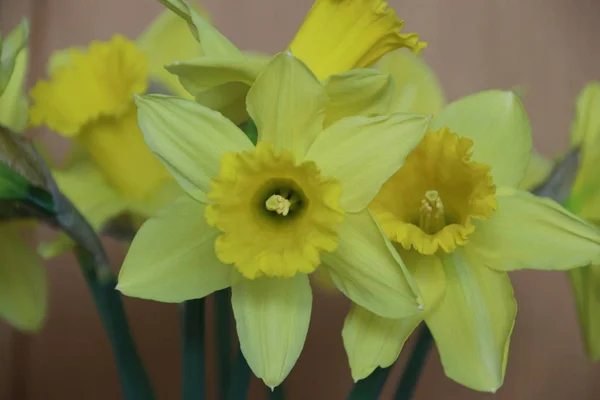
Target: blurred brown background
{"type": "Point", "coordinates": [548, 46]}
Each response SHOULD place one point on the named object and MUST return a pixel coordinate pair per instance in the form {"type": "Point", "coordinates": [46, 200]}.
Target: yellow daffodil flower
{"type": "Point", "coordinates": [89, 98]}
{"type": "Point", "coordinates": [460, 224]}
{"type": "Point", "coordinates": [336, 36]}
{"type": "Point", "coordinates": [23, 286]}
{"type": "Point", "coordinates": [260, 219]}
{"type": "Point", "coordinates": [583, 200]}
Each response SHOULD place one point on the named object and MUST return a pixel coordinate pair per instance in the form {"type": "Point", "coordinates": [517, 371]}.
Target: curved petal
{"type": "Point", "coordinates": [363, 92]}
{"type": "Point", "coordinates": [272, 317]}
{"type": "Point", "coordinates": [473, 323]}
{"type": "Point", "coordinates": [367, 269]}
{"type": "Point", "coordinates": [189, 139]}
{"type": "Point", "coordinates": [228, 99]}
{"type": "Point", "coordinates": [497, 123]}
{"type": "Point", "coordinates": [172, 258]}
{"type": "Point", "coordinates": [529, 232]}
{"type": "Point", "coordinates": [203, 73]}
{"type": "Point", "coordinates": [10, 48]}
{"type": "Point", "coordinates": [586, 287]}
{"type": "Point", "coordinates": [363, 153]}
{"type": "Point", "coordinates": [585, 131]}
{"type": "Point", "coordinates": [372, 341]}
{"type": "Point", "coordinates": [538, 170]}
{"type": "Point", "coordinates": [287, 103]}
{"type": "Point", "coordinates": [157, 42]}
{"type": "Point", "coordinates": [212, 41]}
{"type": "Point", "coordinates": [23, 285]}
{"type": "Point", "coordinates": [14, 107]}
{"type": "Point", "coordinates": [417, 87]}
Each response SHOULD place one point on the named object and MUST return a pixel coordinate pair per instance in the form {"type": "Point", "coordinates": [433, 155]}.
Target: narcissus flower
{"type": "Point", "coordinates": [260, 219]}
{"type": "Point", "coordinates": [583, 200]}
{"type": "Point", "coordinates": [23, 286]}
{"type": "Point", "coordinates": [336, 36]}
{"type": "Point", "coordinates": [89, 98]}
{"type": "Point", "coordinates": [459, 223]}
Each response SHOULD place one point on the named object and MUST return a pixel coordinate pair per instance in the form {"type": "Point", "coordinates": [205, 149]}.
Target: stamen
{"type": "Point", "coordinates": [432, 218]}
{"type": "Point", "coordinates": [279, 204]}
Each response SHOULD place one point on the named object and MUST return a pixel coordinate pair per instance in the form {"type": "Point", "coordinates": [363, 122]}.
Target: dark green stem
{"type": "Point", "coordinates": [223, 338]}
{"type": "Point", "coordinates": [370, 387]}
{"type": "Point", "coordinates": [414, 367]}
{"type": "Point", "coordinates": [277, 393]}
{"type": "Point", "coordinates": [193, 383]}
{"type": "Point", "coordinates": [240, 378]}
{"type": "Point", "coordinates": [101, 282]}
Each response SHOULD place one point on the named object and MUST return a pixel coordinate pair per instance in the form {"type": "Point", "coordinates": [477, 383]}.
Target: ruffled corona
{"type": "Point", "coordinates": [90, 96]}
{"type": "Point", "coordinates": [338, 35]}
{"type": "Point", "coordinates": [430, 202]}
{"type": "Point", "coordinates": [276, 215]}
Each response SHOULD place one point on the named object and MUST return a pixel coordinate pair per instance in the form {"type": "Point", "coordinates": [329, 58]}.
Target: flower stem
{"type": "Point", "coordinates": [101, 283]}
{"type": "Point", "coordinates": [223, 337]}
{"type": "Point", "coordinates": [193, 383]}
{"type": "Point", "coordinates": [408, 383]}
{"type": "Point", "coordinates": [240, 378]}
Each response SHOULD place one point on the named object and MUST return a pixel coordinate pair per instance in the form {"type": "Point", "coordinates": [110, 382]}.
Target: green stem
{"type": "Point", "coordinates": [102, 282]}
{"type": "Point", "coordinates": [277, 393]}
{"type": "Point", "coordinates": [193, 383]}
{"type": "Point", "coordinates": [240, 378]}
{"type": "Point", "coordinates": [414, 367]}
{"type": "Point", "coordinates": [223, 337]}
{"type": "Point", "coordinates": [370, 387]}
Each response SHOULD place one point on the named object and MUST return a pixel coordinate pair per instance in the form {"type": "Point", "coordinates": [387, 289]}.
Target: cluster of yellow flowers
{"type": "Point", "coordinates": [414, 209]}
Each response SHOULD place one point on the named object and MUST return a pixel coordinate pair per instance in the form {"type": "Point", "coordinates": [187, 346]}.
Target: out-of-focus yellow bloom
{"type": "Point", "coordinates": [460, 224]}
{"type": "Point", "coordinates": [90, 99]}
{"type": "Point", "coordinates": [584, 200]}
{"type": "Point", "coordinates": [260, 219]}
{"type": "Point", "coordinates": [23, 286]}
{"type": "Point", "coordinates": [336, 36]}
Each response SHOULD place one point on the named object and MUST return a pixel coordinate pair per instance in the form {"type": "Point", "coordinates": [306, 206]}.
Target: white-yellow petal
{"type": "Point", "coordinates": [189, 139]}
{"type": "Point", "coordinates": [287, 103]}
{"type": "Point", "coordinates": [367, 269]}
{"type": "Point", "coordinates": [497, 123]}
{"type": "Point", "coordinates": [364, 152]}
{"type": "Point", "coordinates": [529, 232]}
{"type": "Point", "coordinates": [272, 317]}
{"type": "Point", "coordinates": [172, 258]}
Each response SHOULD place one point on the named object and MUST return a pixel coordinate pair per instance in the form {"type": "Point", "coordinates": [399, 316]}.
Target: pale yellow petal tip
{"type": "Point", "coordinates": [520, 91]}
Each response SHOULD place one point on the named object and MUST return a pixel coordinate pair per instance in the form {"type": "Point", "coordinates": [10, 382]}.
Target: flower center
{"type": "Point", "coordinates": [90, 97]}
{"type": "Point", "coordinates": [432, 218]}
{"type": "Point", "coordinates": [276, 215]}
{"type": "Point", "coordinates": [429, 204]}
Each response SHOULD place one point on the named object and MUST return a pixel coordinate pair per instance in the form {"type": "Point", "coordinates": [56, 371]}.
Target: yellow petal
{"type": "Point", "coordinates": [538, 170]}
{"type": "Point", "coordinates": [23, 286]}
{"type": "Point", "coordinates": [229, 99]}
{"type": "Point", "coordinates": [189, 139]}
{"type": "Point", "coordinates": [287, 103]}
{"type": "Point", "coordinates": [372, 341]}
{"type": "Point", "coordinates": [586, 287]}
{"type": "Point", "coordinates": [338, 35]}
{"type": "Point", "coordinates": [203, 73]}
{"type": "Point", "coordinates": [363, 153]}
{"type": "Point", "coordinates": [212, 41]}
{"type": "Point", "coordinates": [14, 108]}
{"type": "Point", "coordinates": [473, 323]}
{"type": "Point", "coordinates": [157, 42]}
{"type": "Point", "coordinates": [10, 48]}
{"type": "Point", "coordinates": [529, 232]}
{"type": "Point", "coordinates": [363, 92]}
{"type": "Point", "coordinates": [367, 269]}
{"type": "Point", "coordinates": [417, 87]}
{"type": "Point", "coordinates": [172, 258]}
{"type": "Point", "coordinates": [84, 184]}
{"type": "Point", "coordinates": [272, 317]}
{"type": "Point", "coordinates": [498, 125]}
{"type": "Point", "coordinates": [585, 131]}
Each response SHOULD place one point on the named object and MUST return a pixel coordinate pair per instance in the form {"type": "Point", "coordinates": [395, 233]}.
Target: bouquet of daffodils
{"type": "Point", "coordinates": [334, 164]}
